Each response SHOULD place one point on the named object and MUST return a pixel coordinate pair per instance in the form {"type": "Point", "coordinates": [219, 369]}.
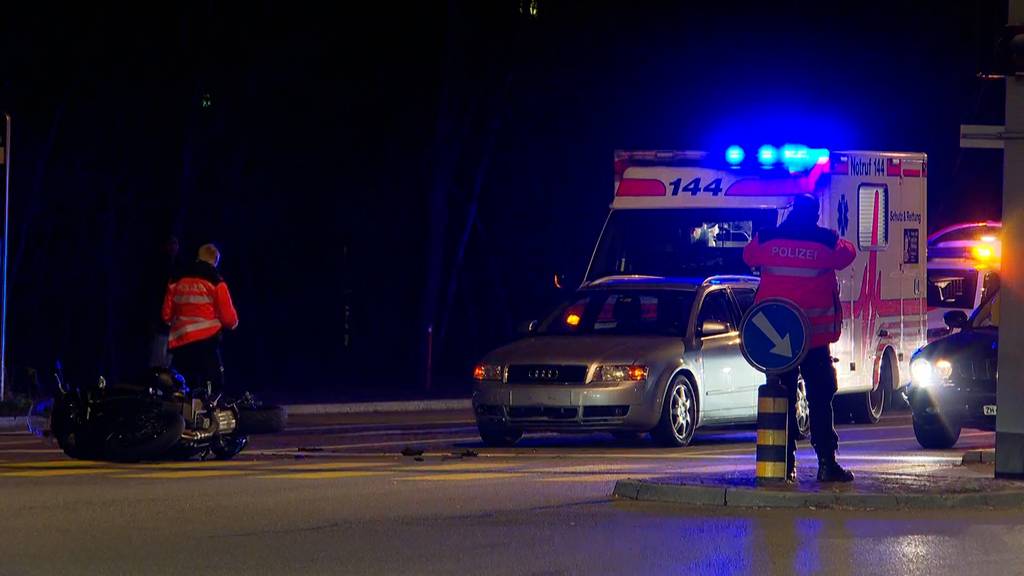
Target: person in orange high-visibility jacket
{"type": "Point", "coordinates": [798, 261]}
{"type": "Point", "coordinates": [198, 308]}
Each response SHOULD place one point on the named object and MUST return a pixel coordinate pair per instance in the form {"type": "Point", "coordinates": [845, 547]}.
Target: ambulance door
{"type": "Point", "coordinates": [841, 216]}
{"type": "Point", "coordinates": [911, 229]}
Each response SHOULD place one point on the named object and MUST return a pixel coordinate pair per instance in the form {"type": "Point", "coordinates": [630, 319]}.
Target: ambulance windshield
{"type": "Point", "coordinates": [677, 243]}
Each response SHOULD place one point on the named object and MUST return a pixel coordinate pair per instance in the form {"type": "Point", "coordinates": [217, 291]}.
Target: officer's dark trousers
{"type": "Point", "coordinates": [820, 382]}
{"type": "Point", "coordinates": [199, 362]}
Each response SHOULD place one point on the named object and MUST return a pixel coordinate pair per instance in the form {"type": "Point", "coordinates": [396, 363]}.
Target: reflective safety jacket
{"type": "Point", "coordinates": [197, 306]}
{"type": "Point", "coordinates": [799, 263]}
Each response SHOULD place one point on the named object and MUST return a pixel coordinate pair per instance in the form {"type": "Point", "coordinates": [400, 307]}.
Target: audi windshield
{"type": "Point", "coordinates": [626, 312]}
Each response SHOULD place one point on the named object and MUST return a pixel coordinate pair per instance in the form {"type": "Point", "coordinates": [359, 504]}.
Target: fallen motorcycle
{"type": "Point", "coordinates": [159, 417]}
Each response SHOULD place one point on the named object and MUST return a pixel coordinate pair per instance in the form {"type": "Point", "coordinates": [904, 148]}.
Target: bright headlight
{"type": "Point", "coordinates": [620, 373]}
{"type": "Point", "coordinates": [921, 372]}
{"type": "Point", "coordinates": [924, 373]}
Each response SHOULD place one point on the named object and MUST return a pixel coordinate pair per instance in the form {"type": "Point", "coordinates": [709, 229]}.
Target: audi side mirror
{"type": "Point", "coordinates": [955, 319]}
{"type": "Point", "coordinates": [565, 282]}
{"type": "Point", "coordinates": [526, 328]}
{"type": "Point", "coordinates": [712, 328]}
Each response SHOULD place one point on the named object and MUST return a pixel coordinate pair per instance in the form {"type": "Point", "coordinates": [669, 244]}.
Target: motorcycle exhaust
{"type": "Point", "coordinates": [223, 422]}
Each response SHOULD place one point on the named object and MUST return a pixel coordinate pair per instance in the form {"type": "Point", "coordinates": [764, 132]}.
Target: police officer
{"type": "Point", "coordinates": [798, 261]}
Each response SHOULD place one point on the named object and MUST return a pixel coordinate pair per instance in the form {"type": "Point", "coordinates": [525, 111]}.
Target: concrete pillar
{"type": "Point", "coordinates": [1010, 392]}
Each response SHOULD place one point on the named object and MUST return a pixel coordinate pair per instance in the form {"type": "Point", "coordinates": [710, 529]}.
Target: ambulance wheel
{"type": "Point", "coordinates": [867, 408]}
{"type": "Point", "coordinates": [803, 412]}
{"type": "Point", "coordinates": [678, 414]}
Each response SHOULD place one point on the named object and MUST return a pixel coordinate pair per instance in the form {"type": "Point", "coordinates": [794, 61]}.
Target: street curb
{"type": "Point", "coordinates": [14, 424]}
{"type": "Point", "coordinates": [723, 496]}
{"type": "Point", "coordinates": [369, 407]}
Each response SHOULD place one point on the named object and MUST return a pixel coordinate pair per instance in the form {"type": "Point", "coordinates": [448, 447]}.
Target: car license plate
{"type": "Point", "coordinates": [989, 409]}
{"type": "Point", "coordinates": [541, 397]}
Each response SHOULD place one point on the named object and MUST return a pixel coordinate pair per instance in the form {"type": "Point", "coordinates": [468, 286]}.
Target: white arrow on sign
{"type": "Point", "coordinates": [782, 345]}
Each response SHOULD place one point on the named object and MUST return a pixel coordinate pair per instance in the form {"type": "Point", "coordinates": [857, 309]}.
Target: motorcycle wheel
{"type": "Point", "coordinates": [227, 447]}
{"type": "Point", "coordinates": [145, 436]}
{"type": "Point", "coordinates": [70, 437]}
{"type": "Point", "coordinates": [266, 419]}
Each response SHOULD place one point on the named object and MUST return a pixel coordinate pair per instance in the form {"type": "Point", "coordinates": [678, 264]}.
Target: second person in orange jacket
{"type": "Point", "coordinates": [198, 308]}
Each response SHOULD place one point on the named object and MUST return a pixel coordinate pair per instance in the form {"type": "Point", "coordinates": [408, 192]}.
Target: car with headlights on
{"type": "Point", "coordinates": [627, 355]}
{"type": "Point", "coordinates": [953, 379]}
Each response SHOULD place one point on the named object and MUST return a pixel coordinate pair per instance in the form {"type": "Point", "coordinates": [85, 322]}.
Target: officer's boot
{"type": "Point", "coordinates": [830, 471]}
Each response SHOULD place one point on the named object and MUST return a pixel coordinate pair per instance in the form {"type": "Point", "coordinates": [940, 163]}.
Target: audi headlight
{"type": "Point", "coordinates": [620, 373]}
{"type": "Point", "coordinates": [484, 371]}
{"type": "Point", "coordinates": [943, 369]}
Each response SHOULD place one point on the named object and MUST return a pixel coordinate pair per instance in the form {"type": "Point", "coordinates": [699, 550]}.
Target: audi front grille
{"type": "Point", "coordinates": [546, 374]}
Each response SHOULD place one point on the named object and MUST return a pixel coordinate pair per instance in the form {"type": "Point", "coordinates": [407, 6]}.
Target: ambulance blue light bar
{"type": "Point", "coordinates": [767, 155]}
{"type": "Point", "coordinates": [793, 157]}
{"type": "Point", "coordinates": [734, 154]}
{"type": "Point", "coordinates": [798, 157]}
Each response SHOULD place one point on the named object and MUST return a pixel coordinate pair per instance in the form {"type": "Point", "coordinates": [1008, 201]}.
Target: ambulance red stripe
{"type": "Point", "coordinates": [641, 187]}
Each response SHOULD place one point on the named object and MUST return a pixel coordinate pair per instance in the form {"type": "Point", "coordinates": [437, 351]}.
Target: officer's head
{"type": "Point", "coordinates": [208, 253]}
{"type": "Point", "coordinates": [804, 211]}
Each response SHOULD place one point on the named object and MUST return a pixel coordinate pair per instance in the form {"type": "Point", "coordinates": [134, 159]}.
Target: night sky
{"type": "Point", "coordinates": [374, 169]}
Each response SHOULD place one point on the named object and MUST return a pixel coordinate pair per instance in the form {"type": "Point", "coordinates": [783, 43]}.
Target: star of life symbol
{"type": "Point", "coordinates": [844, 215]}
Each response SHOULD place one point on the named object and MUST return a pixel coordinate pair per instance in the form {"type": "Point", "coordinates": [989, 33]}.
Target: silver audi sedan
{"type": "Point", "coordinates": [627, 355]}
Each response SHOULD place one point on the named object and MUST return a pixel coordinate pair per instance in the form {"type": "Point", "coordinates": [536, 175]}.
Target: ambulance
{"type": "Point", "coordinates": [963, 268]}
{"type": "Point", "coordinates": [679, 214]}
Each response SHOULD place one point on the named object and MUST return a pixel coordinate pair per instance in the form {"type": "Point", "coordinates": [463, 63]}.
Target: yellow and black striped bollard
{"type": "Point", "coordinates": [772, 428]}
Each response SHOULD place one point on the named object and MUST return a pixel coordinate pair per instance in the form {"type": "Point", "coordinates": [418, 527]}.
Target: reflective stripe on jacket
{"type": "Point", "coordinates": [197, 309]}
{"type": "Point", "coordinates": [800, 265]}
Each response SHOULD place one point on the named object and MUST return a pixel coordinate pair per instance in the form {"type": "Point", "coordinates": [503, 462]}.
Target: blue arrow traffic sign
{"type": "Point", "coordinates": [774, 336]}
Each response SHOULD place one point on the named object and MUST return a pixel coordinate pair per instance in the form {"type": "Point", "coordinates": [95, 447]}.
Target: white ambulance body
{"type": "Point", "coordinates": [682, 214]}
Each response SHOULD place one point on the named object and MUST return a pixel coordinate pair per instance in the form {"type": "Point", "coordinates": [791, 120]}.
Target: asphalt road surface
{"type": "Point", "coordinates": [334, 495]}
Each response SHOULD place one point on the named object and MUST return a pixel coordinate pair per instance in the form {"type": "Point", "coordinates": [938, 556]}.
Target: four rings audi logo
{"type": "Point", "coordinates": [543, 374]}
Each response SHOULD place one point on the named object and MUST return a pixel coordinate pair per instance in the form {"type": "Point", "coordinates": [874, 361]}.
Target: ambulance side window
{"type": "Point", "coordinates": [873, 216]}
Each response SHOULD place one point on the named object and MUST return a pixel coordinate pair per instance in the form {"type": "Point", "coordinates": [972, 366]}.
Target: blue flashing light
{"type": "Point", "coordinates": [767, 155]}
{"type": "Point", "coordinates": [734, 154]}
{"type": "Point", "coordinates": [797, 157]}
